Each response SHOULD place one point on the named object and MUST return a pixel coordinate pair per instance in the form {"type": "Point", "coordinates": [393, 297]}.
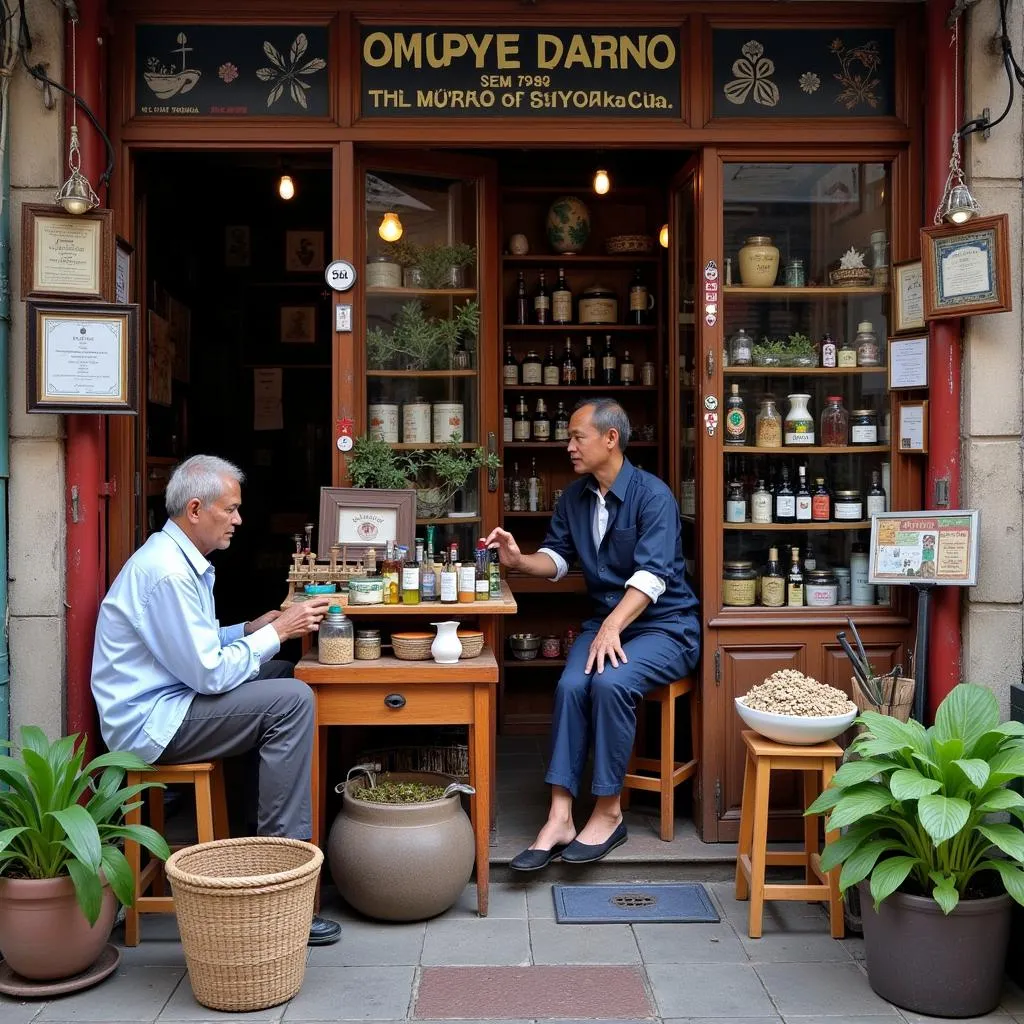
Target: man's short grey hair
{"type": "Point", "coordinates": [202, 477]}
{"type": "Point", "coordinates": [608, 415]}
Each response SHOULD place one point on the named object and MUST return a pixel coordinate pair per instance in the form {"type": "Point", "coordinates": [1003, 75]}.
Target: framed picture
{"type": "Point", "coordinates": [304, 251]}
{"type": "Point", "coordinates": [928, 547]}
{"type": "Point", "coordinates": [913, 427]}
{"type": "Point", "coordinates": [907, 297]}
{"type": "Point", "coordinates": [366, 517]}
{"type": "Point", "coordinates": [298, 325]}
{"type": "Point", "coordinates": [82, 358]}
{"type": "Point", "coordinates": [123, 271]}
{"type": "Point", "coordinates": [908, 362]}
{"type": "Point", "coordinates": [966, 268]}
{"type": "Point", "coordinates": [237, 247]}
{"type": "Point", "coordinates": [65, 256]}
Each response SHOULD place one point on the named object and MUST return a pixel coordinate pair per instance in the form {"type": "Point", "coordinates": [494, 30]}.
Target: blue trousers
{"type": "Point", "coordinates": [600, 707]}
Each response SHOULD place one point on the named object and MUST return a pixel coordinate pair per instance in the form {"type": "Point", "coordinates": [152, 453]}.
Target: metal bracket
{"type": "Point", "coordinates": [942, 492]}
{"type": "Point", "coordinates": [108, 488]}
{"type": "Point", "coordinates": [986, 116]}
{"type": "Point", "coordinates": [74, 503]}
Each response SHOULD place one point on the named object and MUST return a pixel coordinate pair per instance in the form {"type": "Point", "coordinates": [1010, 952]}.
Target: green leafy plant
{"type": "Point", "coordinates": [48, 832]}
{"type": "Point", "coordinates": [374, 463]}
{"type": "Point", "coordinates": [918, 805]}
{"type": "Point", "coordinates": [436, 262]}
{"type": "Point", "coordinates": [769, 351]}
{"type": "Point", "coordinates": [400, 793]}
{"type": "Point", "coordinates": [449, 467]}
{"type": "Point", "coordinates": [799, 345]}
{"type": "Point", "coordinates": [418, 341]}
{"type": "Point", "coordinates": [402, 252]}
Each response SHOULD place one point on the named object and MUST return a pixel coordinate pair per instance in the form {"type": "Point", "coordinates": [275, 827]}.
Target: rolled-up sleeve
{"type": "Point", "coordinates": [558, 544]}
{"type": "Point", "coordinates": [647, 583]}
{"type": "Point", "coordinates": [657, 538]}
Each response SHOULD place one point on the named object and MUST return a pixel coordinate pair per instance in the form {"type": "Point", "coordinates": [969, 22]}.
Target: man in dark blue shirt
{"type": "Point", "coordinates": [622, 524]}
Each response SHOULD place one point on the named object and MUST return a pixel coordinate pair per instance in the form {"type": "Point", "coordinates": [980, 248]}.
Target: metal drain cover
{"type": "Point", "coordinates": [632, 903]}
{"type": "Point", "coordinates": [632, 900]}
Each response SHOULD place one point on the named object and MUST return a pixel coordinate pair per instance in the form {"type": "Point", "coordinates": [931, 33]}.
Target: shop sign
{"type": "Point", "coordinates": [926, 547]}
{"type": "Point", "coordinates": [834, 72]}
{"type": "Point", "coordinates": [479, 71]}
{"type": "Point", "coordinates": [231, 71]}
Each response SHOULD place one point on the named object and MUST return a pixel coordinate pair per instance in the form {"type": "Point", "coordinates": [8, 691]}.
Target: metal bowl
{"type": "Point", "coordinates": [525, 646]}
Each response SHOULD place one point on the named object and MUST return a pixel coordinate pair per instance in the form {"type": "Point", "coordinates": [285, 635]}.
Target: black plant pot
{"type": "Point", "coordinates": [930, 963]}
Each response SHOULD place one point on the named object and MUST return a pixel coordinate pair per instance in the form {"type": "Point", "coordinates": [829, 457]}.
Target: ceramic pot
{"type": "Point", "coordinates": [401, 862]}
{"type": "Point", "coordinates": [568, 225]}
{"type": "Point", "coordinates": [759, 262]}
{"type": "Point", "coordinates": [447, 647]}
{"type": "Point", "coordinates": [44, 934]}
{"type": "Point", "coordinates": [518, 245]}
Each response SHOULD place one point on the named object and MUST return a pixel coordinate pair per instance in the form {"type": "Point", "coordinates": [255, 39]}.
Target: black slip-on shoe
{"type": "Point", "coordinates": [534, 860]}
{"type": "Point", "coordinates": [583, 853]}
{"type": "Point", "coordinates": [323, 932]}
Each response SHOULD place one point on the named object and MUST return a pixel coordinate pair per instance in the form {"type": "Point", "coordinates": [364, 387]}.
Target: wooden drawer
{"type": "Point", "coordinates": [425, 704]}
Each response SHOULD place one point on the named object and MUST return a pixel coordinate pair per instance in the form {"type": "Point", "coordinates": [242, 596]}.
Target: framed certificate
{"type": "Point", "coordinates": [82, 358]}
{"type": "Point", "coordinates": [908, 362]}
{"type": "Point", "coordinates": [913, 427]}
{"type": "Point", "coordinates": [66, 256]}
{"type": "Point", "coordinates": [907, 297]}
{"type": "Point", "coordinates": [966, 268]}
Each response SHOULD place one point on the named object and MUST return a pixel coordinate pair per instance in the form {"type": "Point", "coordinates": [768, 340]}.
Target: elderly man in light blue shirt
{"type": "Point", "coordinates": [172, 685]}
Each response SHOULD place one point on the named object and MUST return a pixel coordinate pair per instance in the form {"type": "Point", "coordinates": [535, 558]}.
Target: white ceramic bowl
{"type": "Point", "coordinates": [796, 729]}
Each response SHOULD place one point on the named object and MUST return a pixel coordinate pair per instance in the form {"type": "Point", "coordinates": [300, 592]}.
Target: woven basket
{"type": "Point", "coordinates": [244, 910]}
{"type": "Point", "coordinates": [412, 646]}
{"type": "Point", "coordinates": [850, 277]}
{"type": "Point", "coordinates": [472, 643]}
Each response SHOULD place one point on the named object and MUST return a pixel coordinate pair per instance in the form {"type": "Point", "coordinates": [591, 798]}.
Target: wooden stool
{"type": "Point", "coordinates": [207, 778]}
{"type": "Point", "coordinates": [667, 771]}
{"type": "Point", "coordinates": [818, 765]}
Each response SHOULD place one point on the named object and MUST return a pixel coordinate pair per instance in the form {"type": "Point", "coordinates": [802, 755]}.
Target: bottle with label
{"type": "Point", "coordinates": [561, 301]}
{"type": "Point", "coordinates": [522, 306]}
{"type": "Point", "coordinates": [866, 344]}
{"type": "Point", "coordinates": [493, 574]}
{"type": "Point", "coordinates": [521, 425]}
{"type": "Point", "coordinates": [428, 571]}
{"type": "Point", "coordinates": [627, 369]}
{"type": "Point", "coordinates": [639, 299]}
{"type": "Point", "coordinates": [588, 368]}
{"type": "Point", "coordinates": [551, 372]}
{"type": "Point", "coordinates": [561, 423]}
{"type": "Point", "coordinates": [875, 495]}
{"type": "Point", "coordinates": [810, 559]}
{"type": "Point", "coordinates": [609, 363]}
{"type": "Point", "coordinates": [861, 591]}
{"type": "Point", "coordinates": [570, 371]}
{"type": "Point", "coordinates": [541, 423]}
{"type": "Point", "coordinates": [741, 348]}
{"type": "Point", "coordinates": [467, 581]}
{"type": "Point", "coordinates": [541, 302]}
{"type": "Point", "coordinates": [795, 582]}
{"type": "Point", "coordinates": [773, 583]}
{"type": "Point", "coordinates": [803, 497]}
{"type": "Point", "coordinates": [736, 504]}
{"type": "Point", "coordinates": [391, 571]}
{"type": "Point", "coordinates": [506, 424]}
{"type": "Point", "coordinates": [534, 489]}
{"type": "Point", "coordinates": [533, 369]}
{"type": "Point", "coordinates": [785, 500]}
{"type": "Point", "coordinates": [828, 350]}
{"type": "Point", "coordinates": [835, 423]}
{"type": "Point", "coordinates": [482, 586]}
{"type": "Point", "coordinates": [768, 430]}
{"type": "Point", "coordinates": [449, 580]}
{"type": "Point", "coordinates": [799, 424]}
{"type": "Point", "coordinates": [510, 369]}
{"type": "Point", "coordinates": [518, 489]}
{"type": "Point", "coordinates": [735, 418]}
{"type": "Point", "coordinates": [846, 357]}
{"type": "Point", "coordinates": [760, 504]}
{"type": "Point", "coordinates": [411, 583]}
{"type": "Point", "coordinates": [821, 502]}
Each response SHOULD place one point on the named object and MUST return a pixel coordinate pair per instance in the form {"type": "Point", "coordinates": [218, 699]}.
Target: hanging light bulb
{"type": "Point", "coordinates": [960, 206]}
{"type": "Point", "coordinates": [76, 194]}
{"type": "Point", "coordinates": [663, 236]}
{"type": "Point", "coordinates": [286, 187]}
{"type": "Point", "coordinates": [602, 183]}
{"type": "Point", "coordinates": [390, 227]}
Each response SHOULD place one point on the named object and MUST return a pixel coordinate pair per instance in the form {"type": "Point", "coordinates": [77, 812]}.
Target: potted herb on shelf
{"type": "Point", "coordinates": [769, 351]}
{"type": "Point", "coordinates": [800, 351]}
{"type": "Point", "coordinates": [419, 341]}
{"type": "Point", "coordinates": [448, 469]}
{"type": "Point", "coordinates": [936, 872]}
{"type": "Point", "coordinates": [443, 266]}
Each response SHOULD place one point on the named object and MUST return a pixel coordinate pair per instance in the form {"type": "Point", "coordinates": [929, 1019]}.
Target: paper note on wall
{"type": "Point", "coordinates": [268, 411]}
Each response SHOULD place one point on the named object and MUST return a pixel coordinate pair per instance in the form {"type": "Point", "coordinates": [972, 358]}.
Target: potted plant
{"type": "Point", "coordinates": [61, 865]}
{"type": "Point", "coordinates": [442, 266]}
{"type": "Point", "coordinates": [418, 341]}
{"type": "Point", "coordinates": [800, 351]}
{"type": "Point", "coordinates": [769, 351]}
{"type": "Point", "coordinates": [936, 874]}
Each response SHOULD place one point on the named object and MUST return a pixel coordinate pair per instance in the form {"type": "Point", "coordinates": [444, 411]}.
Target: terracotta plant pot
{"type": "Point", "coordinates": [934, 964]}
{"type": "Point", "coordinates": [401, 862]}
{"type": "Point", "coordinates": [44, 934]}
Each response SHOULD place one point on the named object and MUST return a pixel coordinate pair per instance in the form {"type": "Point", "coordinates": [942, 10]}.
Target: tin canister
{"type": "Point", "coordinates": [647, 374]}
{"type": "Point", "coordinates": [598, 305]}
{"type": "Point", "coordinates": [416, 422]}
{"type": "Point", "coordinates": [382, 421]}
{"type": "Point", "coordinates": [366, 590]}
{"type": "Point", "coordinates": [449, 418]}
{"type": "Point", "coordinates": [382, 273]}
{"type": "Point", "coordinates": [795, 276]}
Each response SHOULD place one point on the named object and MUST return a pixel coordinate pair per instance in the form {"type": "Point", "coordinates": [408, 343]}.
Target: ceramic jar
{"type": "Point", "coordinates": [759, 262]}
{"type": "Point", "coordinates": [447, 647]}
{"type": "Point", "coordinates": [568, 224]}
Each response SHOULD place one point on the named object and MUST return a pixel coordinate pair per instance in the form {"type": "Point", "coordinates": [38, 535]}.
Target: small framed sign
{"type": "Point", "coordinates": [366, 517]}
{"type": "Point", "coordinates": [908, 362]}
{"type": "Point", "coordinates": [65, 256]}
{"type": "Point", "coordinates": [82, 358]}
{"type": "Point", "coordinates": [913, 427]}
{"type": "Point", "coordinates": [966, 268]}
{"type": "Point", "coordinates": [123, 272]}
{"type": "Point", "coordinates": [925, 547]}
{"type": "Point", "coordinates": [907, 297]}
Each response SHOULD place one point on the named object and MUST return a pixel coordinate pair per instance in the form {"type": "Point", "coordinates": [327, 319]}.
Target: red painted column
{"type": "Point", "coordinates": [943, 115]}
{"type": "Point", "coordinates": [86, 448]}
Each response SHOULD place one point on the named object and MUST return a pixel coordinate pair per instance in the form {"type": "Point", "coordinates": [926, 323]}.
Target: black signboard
{"type": "Point", "coordinates": [421, 71]}
{"type": "Point", "coordinates": [231, 71]}
{"type": "Point", "coordinates": [803, 73]}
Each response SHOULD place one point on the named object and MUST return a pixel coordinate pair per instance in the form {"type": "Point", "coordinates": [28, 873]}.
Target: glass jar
{"type": "Point", "coordinates": [795, 277]}
{"type": "Point", "coordinates": [335, 641]}
{"type": "Point", "coordinates": [741, 349]}
{"type": "Point", "coordinates": [879, 259]}
{"type": "Point", "coordinates": [366, 590]}
{"type": "Point", "coordinates": [848, 506]}
{"type": "Point", "coordinates": [799, 429]}
{"type": "Point", "coordinates": [861, 591]}
{"type": "Point", "coordinates": [367, 644]}
{"type": "Point", "coordinates": [835, 423]}
{"type": "Point", "coordinates": [820, 588]}
{"type": "Point", "coordinates": [769, 425]}
{"type": "Point", "coordinates": [739, 584]}
{"type": "Point", "coordinates": [846, 357]}
{"type": "Point", "coordinates": [866, 344]}
{"type": "Point", "coordinates": [736, 504]}
{"type": "Point", "coordinates": [550, 646]}
{"type": "Point", "coordinates": [863, 426]}
{"type": "Point", "coordinates": [842, 574]}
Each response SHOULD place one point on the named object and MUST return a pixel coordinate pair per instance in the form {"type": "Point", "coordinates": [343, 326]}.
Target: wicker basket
{"type": "Point", "coordinates": [472, 643]}
{"type": "Point", "coordinates": [412, 646]}
{"type": "Point", "coordinates": [850, 277]}
{"type": "Point", "coordinates": [244, 910]}
{"type": "Point", "coordinates": [898, 697]}
{"type": "Point", "coordinates": [629, 245]}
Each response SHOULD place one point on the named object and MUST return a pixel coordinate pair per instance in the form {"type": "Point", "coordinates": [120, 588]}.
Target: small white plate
{"type": "Point", "coordinates": [461, 515]}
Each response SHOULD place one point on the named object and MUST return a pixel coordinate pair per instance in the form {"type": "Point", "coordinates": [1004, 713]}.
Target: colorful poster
{"type": "Point", "coordinates": [925, 547]}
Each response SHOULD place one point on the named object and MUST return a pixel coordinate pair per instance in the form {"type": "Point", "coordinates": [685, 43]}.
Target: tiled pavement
{"type": "Point", "coordinates": [518, 965]}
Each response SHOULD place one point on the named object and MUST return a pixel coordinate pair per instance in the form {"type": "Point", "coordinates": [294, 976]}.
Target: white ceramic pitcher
{"type": "Point", "coordinates": [447, 647]}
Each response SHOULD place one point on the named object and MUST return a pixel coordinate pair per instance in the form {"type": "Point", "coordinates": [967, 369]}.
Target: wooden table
{"type": "Point", "coordinates": [432, 694]}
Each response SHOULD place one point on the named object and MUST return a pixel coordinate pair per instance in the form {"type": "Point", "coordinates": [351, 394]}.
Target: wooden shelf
{"type": "Point", "coordinates": [808, 449]}
{"type": "Point", "coordinates": [460, 293]}
{"type": "Point", "coordinates": [592, 328]}
{"type": "Point", "coordinates": [560, 445]}
{"type": "Point", "coordinates": [568, 259]}
{"type": "Point", "coordinates": [813, 292]}
{"type": "Point", "coordinates": [802, 371]}
{"type": "Point", "coordinates": [449, 521]}
{"type": "Point", "coordinates": [853, 524]}
{"type": "Point", "coordinates": [537, 662]}
{"type": "Point", "coordinates": [424, 374]}
{"type": "Point", "coordinates": [554, 388]}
